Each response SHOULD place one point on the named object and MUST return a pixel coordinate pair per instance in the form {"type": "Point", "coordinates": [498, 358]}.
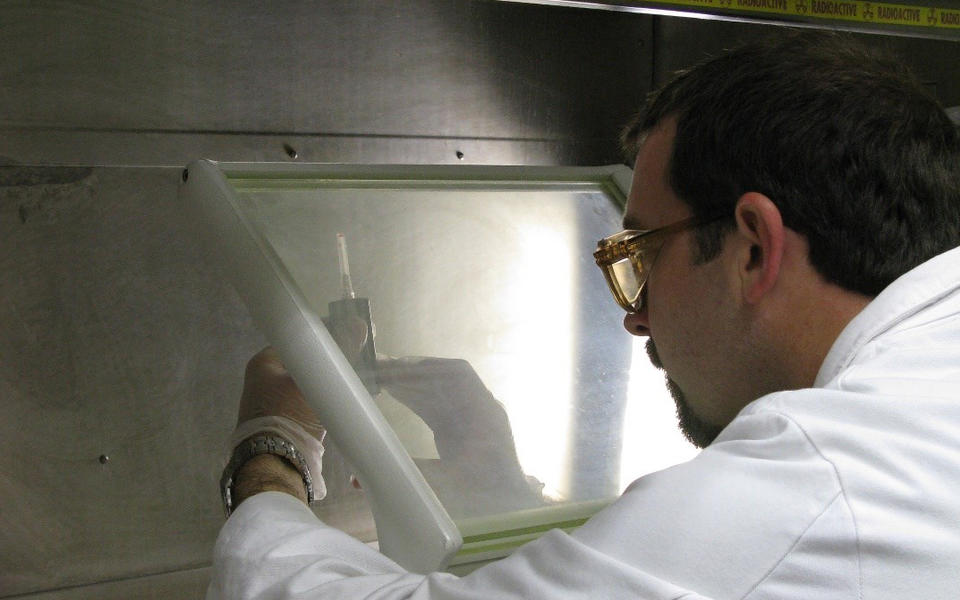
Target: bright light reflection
{"type": "Point", "coordinates": [651, 439]}
{"type": "Point", "coordinates": [537, 347]}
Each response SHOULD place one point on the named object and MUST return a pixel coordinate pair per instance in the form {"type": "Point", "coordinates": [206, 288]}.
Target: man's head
{"type": "Point", "coordinates": [838, 173]}
{"type": "Point", "coordinates": [857, 156]}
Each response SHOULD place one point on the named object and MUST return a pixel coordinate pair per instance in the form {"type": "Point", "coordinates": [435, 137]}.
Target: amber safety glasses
{"type": "Point", "coordinates": [627, 257]}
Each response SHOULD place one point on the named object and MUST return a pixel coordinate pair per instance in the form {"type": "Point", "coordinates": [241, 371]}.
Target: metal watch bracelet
{"type": "Point", "coordinates": [262, 443]}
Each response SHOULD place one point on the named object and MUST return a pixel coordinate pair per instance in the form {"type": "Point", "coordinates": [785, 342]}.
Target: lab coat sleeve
{"type": "Point", "coordinates": [273, 547]}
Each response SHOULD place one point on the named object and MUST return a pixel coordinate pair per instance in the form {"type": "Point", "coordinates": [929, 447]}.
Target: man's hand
{"type": "Point", "coordinates": [269, 390]}
{"type": "Point", "coordinates": [272, 403]}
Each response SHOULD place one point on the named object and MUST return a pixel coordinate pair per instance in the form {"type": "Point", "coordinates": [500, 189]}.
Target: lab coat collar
{"type": "Point", "coordinates": [908, 295]}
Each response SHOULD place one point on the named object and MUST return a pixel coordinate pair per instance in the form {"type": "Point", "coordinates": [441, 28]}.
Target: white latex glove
{"type": "Point", "coordinates": [272, 402]}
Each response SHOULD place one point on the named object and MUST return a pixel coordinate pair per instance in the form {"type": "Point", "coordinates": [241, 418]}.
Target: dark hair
{"type": "Point", "coordinates": [856, 155]}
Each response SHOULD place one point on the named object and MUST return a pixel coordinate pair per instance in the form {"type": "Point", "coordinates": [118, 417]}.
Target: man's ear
{"type": "Point", "coordinates": [761, 231]}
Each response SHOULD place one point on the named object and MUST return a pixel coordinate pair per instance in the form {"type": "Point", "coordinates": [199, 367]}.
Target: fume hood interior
{"type": "Point", "coordinates": [503, 370]}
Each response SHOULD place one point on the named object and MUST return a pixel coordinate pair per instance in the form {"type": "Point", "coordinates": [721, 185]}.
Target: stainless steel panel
{"type": "Point", "coordinates": [366, 70]}
{"type": "Point", "coordinates": [121, 356]}
{"type": "Point", "coordinates": [121, 359]}
{"type": "Point", "coordinates": [682, 42]}
{"type": "Point", "coordinates": [112, 148]}
{"type": "Point", "coordinates": [190, 583]}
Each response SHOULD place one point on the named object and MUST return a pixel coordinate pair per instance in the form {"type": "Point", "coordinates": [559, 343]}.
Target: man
{"type": "Point", "coordinates": [800, 286]}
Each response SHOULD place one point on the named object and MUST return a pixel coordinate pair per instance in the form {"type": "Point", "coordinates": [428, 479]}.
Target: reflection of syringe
{"type": "Point", "coordinates": [349, 318]}
{"type": "Point", "coordinates": [346, 285]}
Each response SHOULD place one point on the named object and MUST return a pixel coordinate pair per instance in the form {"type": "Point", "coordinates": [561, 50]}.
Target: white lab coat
{"type": "Point", "coordinates": [849, 489]}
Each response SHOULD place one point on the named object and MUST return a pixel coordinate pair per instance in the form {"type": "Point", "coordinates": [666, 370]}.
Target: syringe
{"type": "Point", "coordinates": [346, 320]}
{"type": "Point", "coordinates": [346, 285]}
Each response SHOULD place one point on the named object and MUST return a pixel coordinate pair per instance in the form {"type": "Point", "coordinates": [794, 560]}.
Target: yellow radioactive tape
{"type": "Point", "coordinates": [880, 13]}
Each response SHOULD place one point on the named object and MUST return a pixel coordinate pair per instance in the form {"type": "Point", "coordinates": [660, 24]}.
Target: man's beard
{"type": "Point", "coordinates": [700, 433]}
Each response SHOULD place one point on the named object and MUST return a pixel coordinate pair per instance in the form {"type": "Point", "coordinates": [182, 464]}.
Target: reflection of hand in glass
{"type": "Point", "coordinates": [478, 471]}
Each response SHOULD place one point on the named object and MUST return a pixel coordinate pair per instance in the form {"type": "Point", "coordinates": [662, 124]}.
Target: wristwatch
{"type": "Point", "coordinates": [262, 443]}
